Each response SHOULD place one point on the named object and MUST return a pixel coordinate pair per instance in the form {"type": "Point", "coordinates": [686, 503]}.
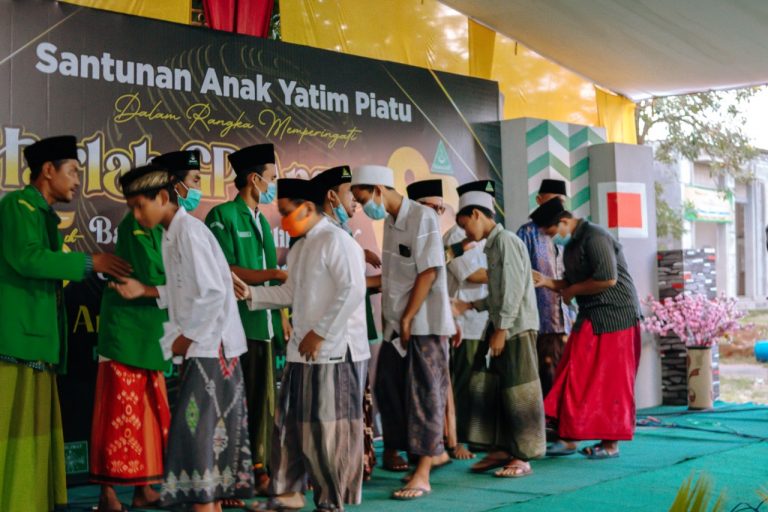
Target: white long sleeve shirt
{"type": "Point", "coordinates": [198, 292]}
{"type": "Point", "coordinates": [326, 289]}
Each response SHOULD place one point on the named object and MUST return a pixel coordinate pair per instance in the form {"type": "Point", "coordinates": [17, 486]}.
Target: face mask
{"type": "Point", "coordinates": [190, 202]}
{"type": "Point", "coordinates": [561, 240]}
{"type": "Point", "coordinates": [268, 196]}
{"type": "Point", "coordinates": [292, 225]}
{"type": "Point", "coordinates": [341, 214]}
{"type": "Point", "coordinates": [374, 210]}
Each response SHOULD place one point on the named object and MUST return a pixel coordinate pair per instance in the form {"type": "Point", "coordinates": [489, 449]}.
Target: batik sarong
{"type": "Point", "coordinates": [130, 425]}
{"type": "Point", "coordinates": [209, 454]}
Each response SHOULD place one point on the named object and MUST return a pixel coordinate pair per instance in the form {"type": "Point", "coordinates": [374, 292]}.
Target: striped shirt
{"type": "Point", "coordinates": [593, 253]}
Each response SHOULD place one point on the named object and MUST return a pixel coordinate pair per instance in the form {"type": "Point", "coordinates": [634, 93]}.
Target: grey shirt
{"type": "Point", "coordinates": [511, 300]}
{"type": "Point", "coordinates": [593, 253]}
{"type": "Point", "coordinates": [412, 245]}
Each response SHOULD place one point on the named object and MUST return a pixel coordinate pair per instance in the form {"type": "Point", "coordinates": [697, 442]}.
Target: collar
{"type": "Point", "coordinates": [580, 230]}
{"type": "Point", "coordinates": [402, 216]}
{"type": "Point", "coordinates": [243, 207]}
{"type": "Point", "coordinates": [35, 197]}
{"type": "Point", "coordinates": [494, 234]}
{"type": "Point", "coordinates": [317, 228]}
{"type": "Point", "coordinates": [175, 228]}
{"type": "Point", "coordinates": [332, 220]}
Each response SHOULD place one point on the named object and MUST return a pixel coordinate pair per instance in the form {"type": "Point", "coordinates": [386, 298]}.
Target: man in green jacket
{"type": "Point", "coordinates": [33, 341]}
{"type": "Point", "coordinates": [246, 239]}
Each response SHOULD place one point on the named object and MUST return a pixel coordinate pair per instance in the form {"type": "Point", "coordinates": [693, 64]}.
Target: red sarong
{"type": "Point", "coordinates": [130, 425]}
{"type": "Point", "coordinates": [593, 396]}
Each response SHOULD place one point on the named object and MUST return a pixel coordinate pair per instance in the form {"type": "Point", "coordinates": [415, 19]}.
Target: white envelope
{"type": "Point", "coordinates": [399, 346]}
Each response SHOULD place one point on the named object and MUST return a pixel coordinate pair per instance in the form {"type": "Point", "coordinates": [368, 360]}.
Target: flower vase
{"type": "Point", "coordinates": [700, 377]}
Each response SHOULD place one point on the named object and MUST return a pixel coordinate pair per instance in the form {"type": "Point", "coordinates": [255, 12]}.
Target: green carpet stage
{"type": "Point", "coordinates": [729, 443]}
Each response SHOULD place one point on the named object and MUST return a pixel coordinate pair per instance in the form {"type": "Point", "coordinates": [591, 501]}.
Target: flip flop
{"type": "Point", "coordinates": [597, 452]}
{"type": "Point", "coordinates": [488, 464]}
{"type": "Point", "coordinates": [559, 449]}
{"type": "Point", "coordinates": [424, 492]}
{"type": "Point", "coordinates": [272, 505]}
{"type": "Point", "coordinates": [526, 471]}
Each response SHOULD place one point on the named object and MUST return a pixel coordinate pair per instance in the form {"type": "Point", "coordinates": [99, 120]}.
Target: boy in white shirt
{"type": "Point", "coordinates": [208, 455]}
{"type": "Point", "coordinates": [412, 373]}
{"type": "Point", "coordinates": [319, 421]}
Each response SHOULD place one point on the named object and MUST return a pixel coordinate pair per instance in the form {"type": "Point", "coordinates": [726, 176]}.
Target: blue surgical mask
{"type": "Point", "coordinates": [268, 196]}
{"type": "Point", "coordinates": [192, 200]}
{"type": "Point", "coordinates": [374, 210]}
{"type": "Point", "coordinates": [561, 240]}
{"type": "Point", "coordinates": [341, 214]}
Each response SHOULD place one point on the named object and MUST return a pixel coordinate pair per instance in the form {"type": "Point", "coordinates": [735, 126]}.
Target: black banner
{"type": "Point", "coordinates": [131, 88]}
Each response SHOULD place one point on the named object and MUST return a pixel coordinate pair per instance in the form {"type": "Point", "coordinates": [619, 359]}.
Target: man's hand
{"type": "Point", "coordinates": [456, 338]}
{"type": "Point", "coordinates": [542, 281]}
{"type": "Point", "coordinates": [309, 347]}
{"type": "Point", "coordinates": [129, 288]}
{"type": "Point", "coordinates": [181, 345]}
{"type": "Point", "coordinates": [459, 307]}
{"type": "Point", "coordinates": [242, 290]}
{"type": "Point", "coordinates": [372, 259]}
{"type": "Point", "coordinates": [567, 295]}
{"type": "Point", "coordinates": [498, 341]}
{"type": "Point", "coordinates": [287, 327]}
{"type": "Point", "coordinates": [279, 275]}
{"type": "Point", "coordinates": [115, 266]}
{"type": "Point", "coordinates": [405, 330]}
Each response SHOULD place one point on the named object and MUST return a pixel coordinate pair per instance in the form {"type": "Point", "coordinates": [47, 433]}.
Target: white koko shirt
{"type": "Point", "coordinates": [326, 289]}
{"type": "Point", "coordinates": [198, 291]}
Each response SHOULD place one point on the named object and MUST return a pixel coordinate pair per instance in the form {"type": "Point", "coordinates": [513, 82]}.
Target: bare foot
{"type": "Point", "coordinates": [394, 462]}
{"type": "Point", "coordinates": [145, 496]}
{"type": "Point", "coordinates": [461, 452]}
{"type": "Point", "coordinates": [108, 500]}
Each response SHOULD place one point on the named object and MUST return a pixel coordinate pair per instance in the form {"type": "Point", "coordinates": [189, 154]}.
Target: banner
{"type": "Point", "coordinates": [131, 88]}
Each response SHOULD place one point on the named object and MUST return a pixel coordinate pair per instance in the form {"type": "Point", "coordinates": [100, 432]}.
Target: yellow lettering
{"type": "Point", "coordinates": [84, 319]}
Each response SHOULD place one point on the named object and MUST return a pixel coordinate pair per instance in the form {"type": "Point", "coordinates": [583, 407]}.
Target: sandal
{"type": "Point", "coordinates": [559, 449]}
{"type": "Point", "coordinates": [487, 464]}
{"type": "Point", "coordinates": [518, 469]}
{"type": "Point", "coordinates": [597, 452]}
{"type": "Point", "coordinates": [396, 464]}
{"type": "Point", "coordinates": [232, 503]}
{"type": "Point", "coordinates": [272, 505]}
{"type": "Point", "coordinates": [422, 492]}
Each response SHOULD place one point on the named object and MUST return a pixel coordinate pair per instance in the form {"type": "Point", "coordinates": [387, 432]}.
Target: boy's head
{"type": "Point", "coordinates": [371, 184]}
{"type": "Point", "coordinates": [255, 172]}
{"type": "Point", "coordinates": [476, 208]}
{"type": "Point", "coordinates": [150, 194]}
{"type": "Point", "coordinates": [184, 167]}
{"type": "Point", "coordinates": [551, 189]}
{"type": "Point", "coordinates": [54, 166]}
{"type": "Point", "coordinates": [429, 193]}
{"type": "Point", "coordinates": [299, 204]}
{"type": "Point", "coordinates": [335, 187]}
{"type": "Point", "coordinates": [554, 220]}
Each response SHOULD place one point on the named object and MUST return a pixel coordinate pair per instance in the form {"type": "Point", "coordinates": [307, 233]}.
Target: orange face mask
{"type": "Point", "coordinates": [291, 223]}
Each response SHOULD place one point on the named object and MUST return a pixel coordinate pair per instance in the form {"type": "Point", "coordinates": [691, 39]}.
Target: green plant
{"type": "Point", "coordinates": [695, 497]}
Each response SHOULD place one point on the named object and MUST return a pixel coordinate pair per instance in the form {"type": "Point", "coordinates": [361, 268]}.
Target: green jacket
{"type": "Point", "coordinates": [233, 226]}
{"type": "Point", "coordinates": [130, 330]}
{"type": "Point", "coordinates": [33, 320]}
